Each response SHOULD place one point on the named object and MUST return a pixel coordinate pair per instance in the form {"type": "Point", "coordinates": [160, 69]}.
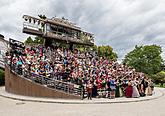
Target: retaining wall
{"type": "Point", "coordinates": [19, 85]}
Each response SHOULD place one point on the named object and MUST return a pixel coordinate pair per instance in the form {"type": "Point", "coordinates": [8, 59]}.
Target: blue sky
{"type": "Point", "coordinates": [121, 24]}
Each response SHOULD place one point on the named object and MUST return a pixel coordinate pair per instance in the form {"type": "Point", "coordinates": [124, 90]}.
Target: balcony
{"type": "Point", "coordinates": [33, 29]}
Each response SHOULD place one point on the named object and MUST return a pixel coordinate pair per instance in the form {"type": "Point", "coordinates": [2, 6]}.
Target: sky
{"type": "Point", "coordinates": [121, 24]}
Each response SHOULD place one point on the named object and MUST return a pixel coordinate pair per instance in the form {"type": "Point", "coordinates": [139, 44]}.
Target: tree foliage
{"type": "Point", "coordinates": [107, 52]}
{"type": "Point", "coordinates": [146, 59]}
{"type": "Point", "coordinates": [103, 51]}
{"type": "Point", "coordinates": [37, 40]}
{"type": "Point", "coordinates": [159, 77]}
{"type": "Point", "coordinates": [28, 40]}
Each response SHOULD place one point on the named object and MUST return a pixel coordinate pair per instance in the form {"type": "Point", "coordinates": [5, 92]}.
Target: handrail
{"type": "Point", "coordinates": [49, 82]}
{"type": "Point", "coordinates": [56, 84]}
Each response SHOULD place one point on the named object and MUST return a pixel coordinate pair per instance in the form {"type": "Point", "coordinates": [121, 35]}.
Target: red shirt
{"type": "Point", "coordinates": [99, 83]}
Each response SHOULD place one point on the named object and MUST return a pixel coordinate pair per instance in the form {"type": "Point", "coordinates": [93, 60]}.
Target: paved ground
{"type": "Point", "coordinates": [157, 94]}
{"type": "Point", "coordinates": [9, 107]}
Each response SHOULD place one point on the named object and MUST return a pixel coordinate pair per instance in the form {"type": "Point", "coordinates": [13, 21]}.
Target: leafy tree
{"type": "Point", "coordinates": [29, 40]}
{"type": "Point", "coordinates": [146, 59]}
{"type": "Point", "coordinates": [107, 51]}
{"type": "Point", "coordinates": [95, 48]}
{"type": "Point", "coordinates": [38, 40]}
{"type": "Point", "coordinates": [159, 77]}
{"type": "Point", "coordinates": [83, 48]}
{"type": "Point", "coordinates": [163, 66]}
{"type": "Point", "coordinates": [103, 51]}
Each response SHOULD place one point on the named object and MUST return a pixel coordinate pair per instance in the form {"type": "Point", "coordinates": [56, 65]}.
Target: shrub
{"type": "Point", "coordinates": [2, 77]}
{"type": "Point", "coordinates": [159, 77]}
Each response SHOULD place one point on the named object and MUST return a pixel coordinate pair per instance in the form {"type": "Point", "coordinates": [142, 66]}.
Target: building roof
{"type": "Point", "coordinates": [55, 20]}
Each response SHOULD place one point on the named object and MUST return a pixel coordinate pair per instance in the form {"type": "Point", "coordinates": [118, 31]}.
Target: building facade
{"type": "Point", "coordinates": [56, 29]}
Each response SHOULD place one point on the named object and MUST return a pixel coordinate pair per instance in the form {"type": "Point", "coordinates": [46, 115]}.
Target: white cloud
{"type": "Point", "coordinates": [119, 23]}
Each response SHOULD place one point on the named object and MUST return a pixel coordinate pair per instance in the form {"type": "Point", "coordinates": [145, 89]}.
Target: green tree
{"type": "Point", "coordinates": [107, 51]}
{"type": "Point", "coordinates": [159, 77]}
{"type": "Point", "coordinates": [94, 48]}
{"type": "Point", "coordinates": [146, 59]}
{"type": "Point", "coordinates": [29, 40]}
{"type": "Point", "coordinates": [38, 40]}
{"type": "Point", "coordinates": [103, 51]}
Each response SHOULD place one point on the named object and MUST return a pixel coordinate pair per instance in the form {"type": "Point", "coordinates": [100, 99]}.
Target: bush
{"type": "Point", "coordinates": [159, 78]}
{"type": "Point", "coordinates": [2, 77]}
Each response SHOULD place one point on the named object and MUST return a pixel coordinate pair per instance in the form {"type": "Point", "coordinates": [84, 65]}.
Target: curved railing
{"type": "Point", "coordinates": [52, 82]}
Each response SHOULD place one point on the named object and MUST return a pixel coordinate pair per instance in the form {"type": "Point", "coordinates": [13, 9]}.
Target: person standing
{"type": "Point", "coordinates": [82, 89]}
{"type": "Point", "coordinates": [148, 91]}
{"type": "Point", "coordinates": [94, 91]}
{"type": "Point", "coordinates": [129, 90]}
{"type": "Point", "coordinates": [89, 90]}
{"type": "Point", "coordinates": [142, 87]}
{"type": "Point", "coordinates": [118, 92]}
{"type": "Point", "coordinates": [135, 92]}
{"type": "Point", "coordinates": [112, 88]}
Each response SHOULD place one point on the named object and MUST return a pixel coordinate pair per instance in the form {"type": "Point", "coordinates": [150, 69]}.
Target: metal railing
{"type": "Point", "coordinates": [49, 82]}
{"type": "Point", "coordinates": [32, 26]}
{"type": "Point", "coordinates": [53, 83]}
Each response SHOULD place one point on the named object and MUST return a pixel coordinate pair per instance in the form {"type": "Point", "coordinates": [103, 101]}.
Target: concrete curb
{"type": "Point", "coordinates": [158, 94]}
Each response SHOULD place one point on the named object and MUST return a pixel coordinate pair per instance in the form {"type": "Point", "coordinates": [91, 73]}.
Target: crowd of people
{"type": "Point", "coordinates": [99, 76]}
